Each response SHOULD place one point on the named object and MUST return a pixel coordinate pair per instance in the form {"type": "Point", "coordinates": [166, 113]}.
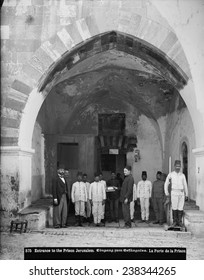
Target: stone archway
{"type": "Point", "coordinates": [20, 115]}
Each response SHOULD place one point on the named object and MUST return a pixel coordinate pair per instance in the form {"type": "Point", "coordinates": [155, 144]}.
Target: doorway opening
{"type": "Point", "coordinates": [68, 155]}
{"type": "Point", "coordinates": [114, 163]}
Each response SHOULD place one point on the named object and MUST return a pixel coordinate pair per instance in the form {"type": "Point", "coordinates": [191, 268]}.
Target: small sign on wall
{"type": "Point", "coordinates": [113, 151]}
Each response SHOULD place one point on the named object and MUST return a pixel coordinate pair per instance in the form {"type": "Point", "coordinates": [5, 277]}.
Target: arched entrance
{"type": "Point", "coordinates": [70, 56]}
{"type": "Point", "coordinates": [109, 74]}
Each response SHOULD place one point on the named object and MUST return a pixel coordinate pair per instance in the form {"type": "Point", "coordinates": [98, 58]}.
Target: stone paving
{"type": "Point", "coordinates": [140, 235]}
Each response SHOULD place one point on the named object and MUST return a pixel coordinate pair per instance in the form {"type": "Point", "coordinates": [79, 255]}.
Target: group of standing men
{"type": "Point", "coordinates": [100, 199]}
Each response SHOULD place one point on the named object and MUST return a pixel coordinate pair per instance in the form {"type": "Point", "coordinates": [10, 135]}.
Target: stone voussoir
{"type": "Point", "coordinates": [21, 87]}
{"type": "Point", "coordinates": [14, 104]}
{"type": "Point", "coordinates": [12, 123]}
{"type": "Point", "coordinates": [92, 25]}
{"type": "Point", "coordinates": [74, 33]}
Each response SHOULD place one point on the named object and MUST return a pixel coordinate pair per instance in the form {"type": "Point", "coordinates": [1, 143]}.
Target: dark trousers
{"type": "Point", "coordinates": [126, 213]}
{"type": "Point", "coordinates": [158, 208]}
{"type": "Point", "coordinates": [114, 208]}
{"type": "Point", "coordinates": [68, 205]}
{"type": "Point", "coordinates": [60, 212]}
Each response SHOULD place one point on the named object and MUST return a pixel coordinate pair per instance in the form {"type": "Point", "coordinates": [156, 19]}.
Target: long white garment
{"type": "Point", "coordinates": [132, 203]}
{"type": "Point", "coordinates": [79, 192]}
{"type": "Point", "coordinates": [97, 212]}
{"type": "Point", "coordinates": [88, 204]}
{"type": "Point", "coordinates": [144, 189]}
{"type": "Point", "coordinates": [178, 183]}
{"type": "Point", "coordinates": [79, 208]}
{"type": "Point", "coordinates": [97, 192]}
{"type": "Point", "coordinates": [177, 201]}
{"type": "Point", "coordinates": [103, 206]}
{"type": "Point", "coordinates": [144, 204]}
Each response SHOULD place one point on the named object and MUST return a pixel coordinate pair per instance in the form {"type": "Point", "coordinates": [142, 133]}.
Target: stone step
{"type": "Point", "coordinates": [40, 217]}
{"type": "Point", "coordinates": [194, 222]}
{"type": "Point", "coordinates": [190, 205]}
{"type": "Point", "coordinates": [117, 232]}
{"type": "Point", "coordinates": [39, 214]}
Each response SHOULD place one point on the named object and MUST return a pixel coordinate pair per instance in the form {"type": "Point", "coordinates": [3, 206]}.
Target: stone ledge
{"type": "Point", "coordinates": [195, 216]}
{"type": "Point", "coordinates": [194, 222]}
{"type": "Point", "coordinates": [116, 232]}
{"type": "Point", "coordinates": [39, 214]}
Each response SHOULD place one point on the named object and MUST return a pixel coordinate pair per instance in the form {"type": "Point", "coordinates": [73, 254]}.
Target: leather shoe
{"type": "Point", "coordinates": [57, 226]}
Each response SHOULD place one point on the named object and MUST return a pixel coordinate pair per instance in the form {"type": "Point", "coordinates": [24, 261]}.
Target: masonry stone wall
{"type": "Point", "coordinates": [38, 162]}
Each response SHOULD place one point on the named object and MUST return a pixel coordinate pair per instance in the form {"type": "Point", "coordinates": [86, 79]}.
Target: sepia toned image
{"type": "Point", "coordinates": [102, 125]}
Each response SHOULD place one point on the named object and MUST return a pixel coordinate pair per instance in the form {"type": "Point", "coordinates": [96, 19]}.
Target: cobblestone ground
{"type": "Point", "coordinates": [12, 245]}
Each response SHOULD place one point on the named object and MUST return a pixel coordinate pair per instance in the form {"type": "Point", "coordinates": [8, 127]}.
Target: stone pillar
{"type": "Point", "coordinates": [199, 156]}
{"type": "Point", "coordinates": [16, 178]}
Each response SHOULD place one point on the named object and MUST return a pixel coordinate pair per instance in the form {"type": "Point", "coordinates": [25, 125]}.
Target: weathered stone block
{"type": "Point", "coordinates": [131, 26]}
{"type": "Point", "coordinates": [5, 32]}
{"type": "Point", "coordinates": [9, 193]}
{"type": "Point", "coordinates": [26, 77]}
{"type": "Point", "coordinates": [25, 32]}
{"type": "Point", "coordinates": [168, 42]}
{"type": "Point", "coordinates": [23, 57]}
{"type": "Point", "coordinates": [14, 104]}
{"type": "Point", "coordinates": [6, 122]}
{"type": "Point", "coordinates": [73, 31]}
{"type": "Point", "coordinates": [41, 60]}
{"type": "Point", "coordinates": [8, 56]}
{"type": "Point", "coordinates": [194, 222]}
{"type": "Point", "coordinates": [17, 95]}
{"type": "Point", "coordinates": [92, 25]}
{"type": "Point", "coordinates": [10, 69]}
{"type": "Point", "coordinates": [183, 63]}
{"type": "Point", "coordinates": [7, 14]}
{"type": "Point", "coordinates": [22, 87]}
{"type": "Point", "coordinates": [9, 141]}
{"type": "Point", "coordinates": [22, 45]}
{"type": "Point", "coordinates": [175, 50]}
{"type": "Point", "coordinates": [58, 45]}
{"type": "Point", "coordinates": [83, 29]}
{"type": "Point", "coordinates": [66, 38]}
{"type": "Point", "coordinates": [9, 132]}
{"type": "Point", "coordinates": [155, 34]}
{"type": "Point", "coordinates": [39, 214]}
{"type": "Point", "coordinates": [31, 71]}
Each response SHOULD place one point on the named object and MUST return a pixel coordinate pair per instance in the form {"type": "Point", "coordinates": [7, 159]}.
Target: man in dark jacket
{"type": "Point", "coordinates": [126, 195]}
{"type": "Point", "coordinates": [158, 198]}
{"type": "Point", "coordinates": [60, 192]}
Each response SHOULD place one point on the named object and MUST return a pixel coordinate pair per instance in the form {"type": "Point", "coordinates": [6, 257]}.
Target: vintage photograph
{"type": "Point", "coordinates": [102, 125]}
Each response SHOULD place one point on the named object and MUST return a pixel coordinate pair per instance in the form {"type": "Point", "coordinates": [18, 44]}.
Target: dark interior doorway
{"type": "Point", "coordinates": [68, 155]}
{"type": "Point", "coordinates": [111, 162]}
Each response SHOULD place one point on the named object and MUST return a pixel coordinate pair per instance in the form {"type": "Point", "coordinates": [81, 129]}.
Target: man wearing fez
{"type": "Point", "coordinates": [158, 198]}
{"type": "Point", "coordinates": [144, 191]}
{"type": "Point", "coordinates": [126, 195]}
{"type": "Point", "coordinates": [79, 198]}
{"type": "Point", "coordinates": [179, 191]}
{"type": "Point", "coordinates": [60, 192]}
